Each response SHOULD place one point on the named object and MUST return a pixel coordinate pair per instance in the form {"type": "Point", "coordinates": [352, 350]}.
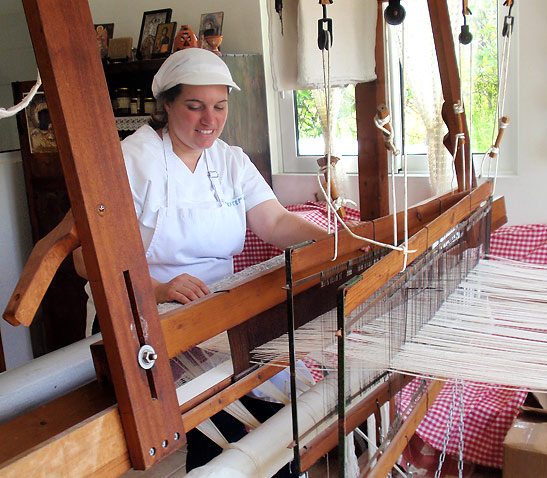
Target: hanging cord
{"type": "Point", "coordinates": [459, 138]}
{"type": "Point", "coordinates": [324, 42]}
{"type": "Point", "coordinates": [465, 38]}
{"type": "Point", "coordinates": [503, 121]}
{"type": "Point", "coordinates": [383, 123]}
{"type": "Point", "coordinates": [405, 164]}
{"type": "Point", "coordinates": [8, 112]}
{"type": "Point", "coordinates": [382, 120]}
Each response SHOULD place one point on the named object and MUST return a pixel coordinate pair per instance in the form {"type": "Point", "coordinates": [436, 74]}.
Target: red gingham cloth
{"type": "Point", "coordinates": [521, 243]}
{"type": "Point", "coordinates": [489, 409]}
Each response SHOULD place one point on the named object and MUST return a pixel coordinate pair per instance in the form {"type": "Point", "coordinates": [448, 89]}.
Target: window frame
{"type": "Point", "coordinates": [417, 163]}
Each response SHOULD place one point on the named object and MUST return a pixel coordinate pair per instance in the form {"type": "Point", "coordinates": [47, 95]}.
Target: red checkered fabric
{"type": "Point", "coordinates": [256, 250]}
{"type": "Point", "coordinates": [489, 409]}
{"type": "Point", "coordinates": [526, 243]}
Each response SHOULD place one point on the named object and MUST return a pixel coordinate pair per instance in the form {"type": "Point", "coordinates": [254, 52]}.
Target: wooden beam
{"type": "Point", "coordinates": [2, 357]}
{"type": "Point", "coordinates": [90, 152]}
{"type": "Point", "coordinates": [408, 428]}
{"type": "Point", "coordinates": [384, 270]}
{"type": "Point", "coordinates": [450, 82]}
{"type": "Point", "coordinates": [372, 155]}
{"type": "Point", "coordinates": [188, 325]}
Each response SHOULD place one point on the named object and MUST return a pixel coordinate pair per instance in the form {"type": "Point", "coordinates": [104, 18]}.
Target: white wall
{"type": "Point", "coordinates": [241, 26]}
{"type": "Point", "coordinates": [525, 193]}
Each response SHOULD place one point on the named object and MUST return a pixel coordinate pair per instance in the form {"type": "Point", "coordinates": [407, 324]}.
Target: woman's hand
{"type": "Point", "coordinates": [184, 288]}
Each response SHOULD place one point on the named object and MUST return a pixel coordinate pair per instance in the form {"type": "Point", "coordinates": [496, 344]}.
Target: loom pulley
{"type": "Point", "coordinates": [465, 36]}
{"type": "Point", "coordinates": [394, 13]}
{"type": "Point", "coordinates": [509, 20]}
{"type": "Point", "coordinates": [324, 28]}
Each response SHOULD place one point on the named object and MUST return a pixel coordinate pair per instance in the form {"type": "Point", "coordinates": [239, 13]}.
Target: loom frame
{"type": "Point", "coordinates": [115, 431]}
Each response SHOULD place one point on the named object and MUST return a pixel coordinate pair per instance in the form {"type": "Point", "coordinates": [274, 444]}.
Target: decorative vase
{"type": "Point", "coordinates": [186, 38]}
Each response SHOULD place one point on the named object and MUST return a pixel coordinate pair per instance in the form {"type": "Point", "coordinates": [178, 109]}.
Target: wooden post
{"type": "Point", "coordinates": [372, 156]}
{"type": "Point", "coordinates": [450, 81]}
{"type": "Point", "coordinates": [81, 112]}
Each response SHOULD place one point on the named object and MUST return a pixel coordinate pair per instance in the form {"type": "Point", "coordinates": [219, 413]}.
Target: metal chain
{"type": "Point", "coordinates": [460, 444]}
{"type": "Point", "coordinates": [447, 435]}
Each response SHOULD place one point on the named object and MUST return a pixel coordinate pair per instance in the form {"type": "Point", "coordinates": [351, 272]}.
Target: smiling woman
{"type": "Point", "coordinates": [195, 195]}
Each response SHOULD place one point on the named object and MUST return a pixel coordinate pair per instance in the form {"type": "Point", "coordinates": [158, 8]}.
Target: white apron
{"type": "Point", "coordinates": [199, 235]}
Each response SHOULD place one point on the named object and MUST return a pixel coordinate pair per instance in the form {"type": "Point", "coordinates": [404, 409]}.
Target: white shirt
{"type": "Point", "coordinates": [191, 222]}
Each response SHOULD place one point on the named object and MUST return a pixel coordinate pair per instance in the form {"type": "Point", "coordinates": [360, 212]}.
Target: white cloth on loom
{"type": "Point", "coordinates": [295, 57]}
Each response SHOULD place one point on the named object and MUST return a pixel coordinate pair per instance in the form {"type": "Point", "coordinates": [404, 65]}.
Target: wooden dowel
{"type": "Point", "coordinates": [504, 121]}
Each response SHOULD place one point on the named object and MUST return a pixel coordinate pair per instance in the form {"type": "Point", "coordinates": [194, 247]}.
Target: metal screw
{"type": "Point", "coordinates": [152, 451]}
{"type": "Point", "coordinates": [147, 357]}
{"type": "Point", "coordinates": [164, 443]}
{"type": "Point", "coordinates": [177, 435]}
{"type": "Point", "coordinates": [101, 208]}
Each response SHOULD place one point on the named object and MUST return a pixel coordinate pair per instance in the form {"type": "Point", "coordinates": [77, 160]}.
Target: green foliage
{"type": "Point", "coordinates": [306, 114]}
{"type": "Point", "coordinates": [482, 84]}
{"type": "Point", "coordinates": [308, 119]}
{"type": "Point", "coordinates": [485, 75]}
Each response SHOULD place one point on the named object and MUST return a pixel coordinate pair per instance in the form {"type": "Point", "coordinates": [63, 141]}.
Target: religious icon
{"type": "Point", "coordinates": [211, 26]}
{"type": "Point", "coordinates": [164, 39]}
{"type": "Point", "coordinates": [149, 30]}
{"type": "Point", "coordinates": [40, 130]}
{"type": "Point", "coordinates": [104, 33]}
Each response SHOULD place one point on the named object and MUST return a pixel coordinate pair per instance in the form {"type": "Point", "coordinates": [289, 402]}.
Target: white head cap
{"type": "Point", "coordinates": [192, 66]}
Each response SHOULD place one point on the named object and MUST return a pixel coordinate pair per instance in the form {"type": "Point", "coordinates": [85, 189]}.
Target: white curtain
{"type": "Point", "coordinates": [321, 104]}
{"type": "Point", "coordinates": [421, 75]}
{"type": "Point", "coordinates": [295, 57]}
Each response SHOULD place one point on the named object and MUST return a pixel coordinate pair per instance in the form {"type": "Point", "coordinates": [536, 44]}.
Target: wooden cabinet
{"type": "Point", "coordinates": [61, 319]}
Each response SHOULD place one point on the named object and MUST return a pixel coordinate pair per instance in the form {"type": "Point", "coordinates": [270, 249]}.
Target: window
{"type": "Point", "coordinates": [301, 133]}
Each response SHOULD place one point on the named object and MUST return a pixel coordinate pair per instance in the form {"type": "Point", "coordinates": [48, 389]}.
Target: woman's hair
{"type": "Point", "coordinates": [159, 119]}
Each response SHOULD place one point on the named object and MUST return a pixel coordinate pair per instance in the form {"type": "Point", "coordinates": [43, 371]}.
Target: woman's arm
{"type": "Point", "coordinates": [275, 225]}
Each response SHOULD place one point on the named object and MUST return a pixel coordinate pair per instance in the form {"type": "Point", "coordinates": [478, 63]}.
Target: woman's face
{"type": "Point", "coordinates": [197, 116]}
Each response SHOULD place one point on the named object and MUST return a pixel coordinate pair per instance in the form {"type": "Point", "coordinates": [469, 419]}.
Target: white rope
{"type": "Point", "coordinates": [395, 152]}
{"type": "Point", "coordinates": [366, 239]}
{"type": "Point", "coordinates": [332, 207]}
{"type": "Point", "coordinates": [8, 112]}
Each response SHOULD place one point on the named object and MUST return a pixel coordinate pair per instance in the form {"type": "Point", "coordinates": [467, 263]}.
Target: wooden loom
{"type": "Point", "coordinates": [106, 434]}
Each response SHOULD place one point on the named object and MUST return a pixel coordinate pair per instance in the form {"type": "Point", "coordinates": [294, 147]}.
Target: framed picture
{"type": "Point", "coordinates": [210, 25]}
{"type": "Point", "coordinates": [164, 39]}
{"type": "Point", "coordinates": [149, 28]}
{"type": "Point", "coordinates": [40, 130]}
{"type": "Point", "coordinates": [104, 33]}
